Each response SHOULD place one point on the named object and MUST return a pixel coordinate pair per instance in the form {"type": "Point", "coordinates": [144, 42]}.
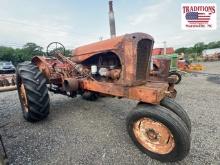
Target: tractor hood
{"type": "Point", "coordinates": [110, 45]}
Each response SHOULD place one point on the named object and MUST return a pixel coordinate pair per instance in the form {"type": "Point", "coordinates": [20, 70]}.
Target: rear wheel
{"type": "Point", "coordinates": [158, 132]}
{"type": "Point", "coordinates": [33, 92]}
{"type": "Point", "coordinates": [177, 76]}
{"type": "Point", "coordinates": [172, 105]}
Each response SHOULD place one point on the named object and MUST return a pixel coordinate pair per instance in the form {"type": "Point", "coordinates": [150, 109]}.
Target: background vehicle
{"type": "Point", "coordinates": [6, 67]}
{"type": "Point", "coordinates": [116, 67]}
{"type": "Point", "coordinates": [174, 71]}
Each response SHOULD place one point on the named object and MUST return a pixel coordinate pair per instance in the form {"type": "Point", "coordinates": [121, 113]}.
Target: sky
{"type": "Point", "coordinates": [79, 22]}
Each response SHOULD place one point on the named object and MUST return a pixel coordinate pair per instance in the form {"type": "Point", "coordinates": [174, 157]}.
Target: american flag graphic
{"type": "Point", "coordinates": [198, 18]}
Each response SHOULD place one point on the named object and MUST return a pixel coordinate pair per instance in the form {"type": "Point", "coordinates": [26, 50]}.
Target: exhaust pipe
{"type": "Point", "coordinates": [112, 20]}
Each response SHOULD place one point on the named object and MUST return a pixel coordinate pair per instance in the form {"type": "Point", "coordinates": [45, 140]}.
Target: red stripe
{"type": "Point", "coordinates": [204, 13]}
{"type": "Point", "coordinates": [203, 19]}
{"type": "Point", "coordinates": [204, 16]}
{"type": "Point", "coordinates": [198, 22]}
{"type": "Point", "coordinates": [200, 19]}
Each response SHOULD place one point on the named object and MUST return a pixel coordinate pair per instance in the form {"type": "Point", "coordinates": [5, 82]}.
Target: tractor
{"type": "Point", "coordinates": [174, 72]}
{"type": "Point", "coordinates": [118, 67]}
{"type": "Point", "coordinates": [160, 71]}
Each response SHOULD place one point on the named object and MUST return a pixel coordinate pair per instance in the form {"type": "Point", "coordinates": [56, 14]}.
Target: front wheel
{"type": "Point", "coordinates": [158, 132]}
{"type": "Point", "coordinates": [33, 92]}
{"type": "Point", "coordinates": [172, 105]}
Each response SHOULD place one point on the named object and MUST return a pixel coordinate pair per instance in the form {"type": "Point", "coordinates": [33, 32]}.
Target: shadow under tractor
{"type": "Point", "coordinates": [118, 67]}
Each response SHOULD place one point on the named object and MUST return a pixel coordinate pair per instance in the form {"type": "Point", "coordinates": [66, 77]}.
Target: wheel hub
{"type": "Point", "coordinates": [151, 134]}
{"type": "Point", "coordinates": [154, 136]}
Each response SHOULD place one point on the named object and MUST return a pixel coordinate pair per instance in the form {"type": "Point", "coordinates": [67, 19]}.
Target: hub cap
{"type": "Point", "coordinates": [154, 136]}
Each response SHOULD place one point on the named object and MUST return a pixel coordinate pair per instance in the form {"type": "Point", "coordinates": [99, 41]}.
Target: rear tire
{"type": "Point", "coordinates": [33, 92]}
{"type": "Point", "coordinates": [172, 105]}
{"type": "Point", "coordinates": [173, 148]}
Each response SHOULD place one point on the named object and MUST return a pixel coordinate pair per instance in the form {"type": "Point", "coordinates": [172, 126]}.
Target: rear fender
{"type": "Point", "coordinates": [42, 64]}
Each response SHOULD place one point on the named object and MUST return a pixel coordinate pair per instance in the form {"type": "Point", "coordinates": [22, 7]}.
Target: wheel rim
{"type": "Point", "coordinates": [154, 136]}
{"type": "Point", "coordinates": [23, 97]}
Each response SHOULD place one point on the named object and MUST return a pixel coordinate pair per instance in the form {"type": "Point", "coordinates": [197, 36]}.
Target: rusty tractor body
{"type": "Point", "coordinates": [115, 67]}
{"type": "Point", "coordinates": [123, 76]}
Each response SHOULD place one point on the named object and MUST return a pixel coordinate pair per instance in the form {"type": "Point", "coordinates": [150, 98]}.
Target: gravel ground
{"type": "Point", "coordinates": [82, 132]}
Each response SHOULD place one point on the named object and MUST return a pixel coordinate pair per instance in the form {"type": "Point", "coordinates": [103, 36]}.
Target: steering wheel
{"type": "Point", "coordinates": [55, 47]}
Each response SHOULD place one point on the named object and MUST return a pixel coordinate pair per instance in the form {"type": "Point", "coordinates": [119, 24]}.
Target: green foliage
{"type": "Point", "coordinates": [6, 53]}
{"type": "Point", "coordinates": [26, 53]}
{"type": "Point", "coordinates": [181, 50]}
{"type": "Point", "coordinates": [198, 48]}
{"type": "Point", "coordinates": [68, 53]}
{"type": "Point", "coordinates": [19, 55]}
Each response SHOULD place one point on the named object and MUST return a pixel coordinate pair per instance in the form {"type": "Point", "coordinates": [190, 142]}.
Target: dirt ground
{"type": "Point", "coordinates": [82, 132]}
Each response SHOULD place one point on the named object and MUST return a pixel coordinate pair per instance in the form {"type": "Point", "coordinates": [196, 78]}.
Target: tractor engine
{"type": "Point", "coordinates": [129, 53]}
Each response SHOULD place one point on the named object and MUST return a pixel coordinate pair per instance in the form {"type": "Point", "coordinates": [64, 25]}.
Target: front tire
{"type": "Point", "coordinates": [158, 132]}
{"type": "Point", "coordinates": [33, 92]}
{"type": "Point", "coordinates": [172, 105]}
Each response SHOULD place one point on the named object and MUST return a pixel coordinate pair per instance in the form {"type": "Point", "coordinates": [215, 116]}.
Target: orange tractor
{"type": "Point", "coordinates": [116, 67]}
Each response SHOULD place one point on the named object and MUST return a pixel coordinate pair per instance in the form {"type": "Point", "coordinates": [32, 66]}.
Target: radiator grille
{"type": "Point", "coordinates": [143, 54]}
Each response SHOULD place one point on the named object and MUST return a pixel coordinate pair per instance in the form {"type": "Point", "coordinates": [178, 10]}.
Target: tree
{"type": "Point", "coordinates": [6, 53]}
{"type": "Point", "coordinates": [199, 47]}
{"type": "Point", "coordinates": [19, 55]}
{"type": "Point", "coordinates": [30, 50]}
{"type": "Point", "coordinates": [181, 50]}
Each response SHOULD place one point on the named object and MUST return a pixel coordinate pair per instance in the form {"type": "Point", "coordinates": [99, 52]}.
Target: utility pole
{"type": "Point", "coordinates": [112, 20]}
{"type": "Point", "coordinates": [165, 47]}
